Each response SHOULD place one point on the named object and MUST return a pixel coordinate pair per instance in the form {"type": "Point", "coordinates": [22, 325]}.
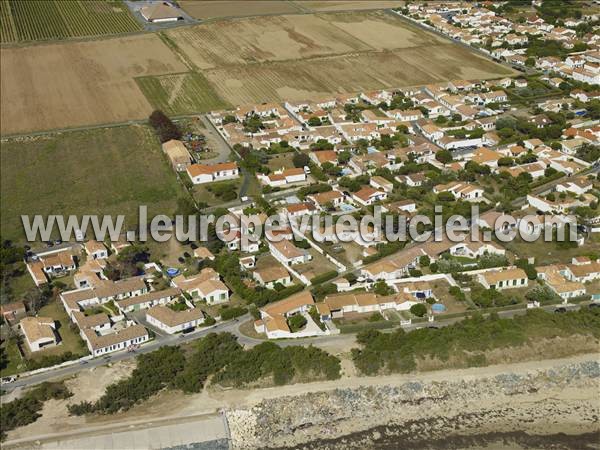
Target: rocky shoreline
{"type": "Point", "coordinates": [556, 407]}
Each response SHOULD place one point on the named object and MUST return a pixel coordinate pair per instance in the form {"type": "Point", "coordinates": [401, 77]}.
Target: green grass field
{"type": "Point", "coordinates": [38, 20]}
{"type": "Point", "coordinates": [183, 93]}
{"type": "Point", "coordinates": [103, 171]}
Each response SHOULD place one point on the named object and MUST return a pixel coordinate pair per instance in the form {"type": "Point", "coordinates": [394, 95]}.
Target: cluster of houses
{"type": "Point", "coordinates": [505, 39]}
{"type": "Point", "coordinates": [110, 314]}
{"type": "Point", "coordinates": [344, 137]}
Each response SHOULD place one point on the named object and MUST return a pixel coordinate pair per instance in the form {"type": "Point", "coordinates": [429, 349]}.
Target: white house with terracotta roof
{"type": "Point", "coordinates": [39, 332]}
{"type": "Point", "coordinates": [271, 275]}
{"type": "Point", "coordinates": [95, 249]}
{"type": "Point", "coordinates": [296, 210]}
{"type": "Point", "coordinates": [393, 267]}
{"type": "Point", "coordinates": [461, 190]}
{"type": "Point", "coordinates": [288, 254]}
{"type": "Point", "coordinates": [322, 199]}
{"type": "Point", "coordinates": [171, 321]}
{"type": "Point", "coordinates": [322, 156]}
{"type": "Point", "coordinates": [503, 279]}
{"type": "Point", "coordinates": [476, 249]}
{"type": "Point", "coordinates": [577, 186]}
{"type": "Point", "coordinates": [148, 300]}
{"type": "Point", "coordinates": [283, 177]}
{"type": "Point", "coordinates": [274, 317]}
{"type": "Point", "coordinates": [205, 173]}
{"type": "Point", "coordinates": [102, 344]}
{"type": "Point", "coordinates": [381, 184]}
{"type": "Point", "coordinates": [369, 196]}
{"type": "Point", "coordinates": [204, 286]}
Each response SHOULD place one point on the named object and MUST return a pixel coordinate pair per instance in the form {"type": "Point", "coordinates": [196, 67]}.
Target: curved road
{"type": "Point", "coordinates": [345, 340]}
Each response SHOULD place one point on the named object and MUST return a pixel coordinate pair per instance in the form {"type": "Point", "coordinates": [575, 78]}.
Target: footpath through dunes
{"type": "Point", "coordinates": [74, 84]}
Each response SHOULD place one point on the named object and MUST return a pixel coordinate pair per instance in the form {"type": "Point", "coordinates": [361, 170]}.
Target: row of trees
{"type": "Point", "coordinates": [217, 355]}
{"type": "Point", "coordinates": [399, 351]}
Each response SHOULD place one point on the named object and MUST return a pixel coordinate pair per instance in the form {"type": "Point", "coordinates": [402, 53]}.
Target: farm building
{"type": "Point", "coordinates": [160, 13]}
{"type": "Point", "coordinates": [178, 155]}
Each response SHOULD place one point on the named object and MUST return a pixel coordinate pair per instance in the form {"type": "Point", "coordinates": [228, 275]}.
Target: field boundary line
{"type": "Point", "coordinates": [97, 37]}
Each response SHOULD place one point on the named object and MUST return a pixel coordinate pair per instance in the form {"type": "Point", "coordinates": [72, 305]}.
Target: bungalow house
{"type": "Point", "coordinates": [368, 196]}
{"type": "Point", "coordinates": [296, 210]}
{"type": "Point", "coordinates": [204, 286]}
{"type": "Point", "coordinates": [461, 190]}
{"type": "Point", "coordinates": [204, 173]}
{"type": "Point", "coordinates": [283, 177]}
{"type": "Point", "coordinates": [203, 253]}
{"type": "Point", "coordinates": [409, 206]}
{"type": "Point", "coordinates": [583, 271]}
{"type": "Point", "coordinates": [39, 332]}
{"type": "Point", "coordinates": [531, 144]}
{"type": "Point", "coordinates": [288, 254]}
{"type": "Point", "coordinates": [393, 267]}
{"type": "Point", "coordinates": [57, 263]}
{"type": "Point", "coordinates": [145, 301]}
{"type": "Point", "coordinates": [214, 292]}
{"type": "Point", "coordinates": [503, 279]}
{"type": "Point", "coordinates": [476, 249]}
{"type": "Point", "coordinates": [101, 344]}
{"type": "Point", "coordinates": [536, 170]}
{"type": "Point", "coordinates": [540, 120]}
{"type": "Point", "coordinates": [97, 322]}
{"type": "Point", "coordinates": [577, 186]}
{"type": "Point", "coordinates": [274, 316]}
{"type": "Point", "coordinates": [324, 156]}
{"type": "Point", "coordinates": [171, 321]}
{"type": "Point", "coordinates": [562, 287]}
{"type": "Point", "coordinates": [336, 305]}
{"type": "Point", "coordinates": [323, 199]}
{"type": "Point", "coordinates": [271, 275]}
{"type": "Point", "coordinates": [354, 132]}
{"type": "Point", "coordinates": [409, 115]}
{"type": "Point", "coordinates": [382, 184]}
{"type": "Point", "coordinates": [368, 163]}
{"type": "Point", "coordinates": [570, 146]}
{"type": "Point", "coordinates": [487, 157]}
{"type": "Point", "coordinates": [178, 154]}
{"type": "Point", "coordinates": [36, 270]}
{"type": "Point", "coordinates": [413, 179]}
{"type": "Point", "coordinates": [95, 249]}
{"type": "Point", "coordinates": [558, 206]}
{"type": "Point", "coordinates": [13, 311]}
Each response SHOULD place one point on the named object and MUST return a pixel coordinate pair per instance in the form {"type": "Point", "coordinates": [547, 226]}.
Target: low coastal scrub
{"type": "Point", "coordinates": [398, 351]}
{"type": "Point", "coordinates": [217, 355]}
{"type": "Point", "coordinates": [26, 410]}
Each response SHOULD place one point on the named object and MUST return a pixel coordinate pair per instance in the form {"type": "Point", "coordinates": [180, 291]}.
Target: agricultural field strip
{"type": "Point", "coordinates": [63, 19]}
{"type": "Point", "coordinates": [181, 93]}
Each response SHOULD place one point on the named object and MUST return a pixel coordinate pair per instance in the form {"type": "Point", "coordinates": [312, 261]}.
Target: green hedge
{"type": "Point", "coordinates": [324, 277]}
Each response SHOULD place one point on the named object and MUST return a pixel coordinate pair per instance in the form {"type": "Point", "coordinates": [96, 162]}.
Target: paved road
{"type": "Point", "coordinates": [231, 327]}
{"type": "Point", "coordinates": [343, 340]}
